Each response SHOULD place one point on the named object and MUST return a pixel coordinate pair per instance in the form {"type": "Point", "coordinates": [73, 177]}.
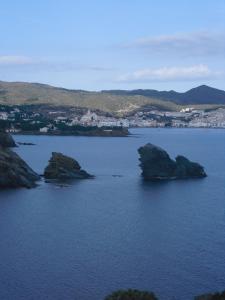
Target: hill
{"type": "Point", "coordinates": [115, 101]}
{"type": "Point", "coordinates": [200, 95]}
{"type": "Point", "coordinates": [18, 93]}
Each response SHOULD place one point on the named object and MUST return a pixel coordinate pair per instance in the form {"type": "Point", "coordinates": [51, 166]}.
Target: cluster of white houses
{"type": "Point", "coordinates": [187, 117]}
{"type": "Point", "coordinates": [92, 119]}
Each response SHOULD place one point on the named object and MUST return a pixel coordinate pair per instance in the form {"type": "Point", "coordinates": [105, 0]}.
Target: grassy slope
{"type": "Point", "coordinates": [34, 93]}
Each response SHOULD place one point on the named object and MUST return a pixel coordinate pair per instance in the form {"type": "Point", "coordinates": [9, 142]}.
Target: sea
{"type": "Point", "coordinates": [84, 239]}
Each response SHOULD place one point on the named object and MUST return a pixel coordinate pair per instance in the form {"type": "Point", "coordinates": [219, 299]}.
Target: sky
{"type": "Point", "coordinates": [114, 44]}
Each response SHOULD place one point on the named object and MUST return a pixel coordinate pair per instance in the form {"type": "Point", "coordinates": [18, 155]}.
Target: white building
{"type": "Point", "coordinates": [12, 130]}
{"type": "Point", "coordinates": [187, 109]}
{"type": "Point", "coordinates": [44, 129]}
{"type": "Point", "coordinates": [89, 117]}
{"type": "Point", "coordinates": [3, 116]}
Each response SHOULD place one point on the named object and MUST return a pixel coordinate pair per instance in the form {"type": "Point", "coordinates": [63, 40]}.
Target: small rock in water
{"type": "Point", "coordinates": [64, 167]}
{"type": "Point", "coordinates": [25, 144]}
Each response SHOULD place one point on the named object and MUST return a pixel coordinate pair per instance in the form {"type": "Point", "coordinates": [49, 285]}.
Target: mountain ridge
{"type": "Point", "coordinates": [202, 94]}
{"type": "Point", "coordinates": [116, 101]}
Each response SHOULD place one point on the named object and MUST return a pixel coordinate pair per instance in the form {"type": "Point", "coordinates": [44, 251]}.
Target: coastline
{"type": "Point", "coordinates": [103, 133]}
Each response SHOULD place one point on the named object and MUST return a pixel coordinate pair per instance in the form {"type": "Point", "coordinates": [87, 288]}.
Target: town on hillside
{"type": "Point", "coordinates": [49, 119]}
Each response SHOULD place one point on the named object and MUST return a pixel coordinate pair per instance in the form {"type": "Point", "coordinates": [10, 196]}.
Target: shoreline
{"type": "Point", "coordinates": [88, 134]}
{"type": "Point", "coordinates": [105, 133]}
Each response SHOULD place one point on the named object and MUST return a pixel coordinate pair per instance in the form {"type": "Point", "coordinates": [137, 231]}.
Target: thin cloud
{"type": "Point", "coordinates": [197, 72]}
{"type": "Point", "coordinates": [203, 43]}
{"type": "Point", "coordinates": [14, 60]}
{"type": "Point", "coordinates": [24, 63]}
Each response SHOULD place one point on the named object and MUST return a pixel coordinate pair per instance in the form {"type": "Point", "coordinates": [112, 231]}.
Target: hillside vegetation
{"type": "Point", "coordinates": [18, 93]}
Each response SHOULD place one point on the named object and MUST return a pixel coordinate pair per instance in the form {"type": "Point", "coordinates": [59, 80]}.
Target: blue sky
{"type": "Point", "coordinates": [114, 44]}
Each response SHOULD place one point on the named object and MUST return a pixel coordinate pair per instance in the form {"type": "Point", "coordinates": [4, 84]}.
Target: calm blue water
{"type": "Point", "coordinates": [83, 241]}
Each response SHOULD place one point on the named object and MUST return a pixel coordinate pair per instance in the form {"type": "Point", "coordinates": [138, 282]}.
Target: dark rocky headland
{"type": "Point", "coordinates": [82, 131]}
{"type": "Point", "coordinates": [156, 164]}
{"type": "Point", "coordinates": [64, 167]}
{"type": "Point", "coordinates": [14, 172]}
{"type": "Point", "coordinates": [6, 140]}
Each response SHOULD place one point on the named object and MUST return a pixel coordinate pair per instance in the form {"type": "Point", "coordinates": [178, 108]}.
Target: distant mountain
{"type": "Point", "coordinates": [115, 101]}
{"type": "Point", "coordinates": [200, 95]}
{"type": "Point", "coordinates": [203, 95]}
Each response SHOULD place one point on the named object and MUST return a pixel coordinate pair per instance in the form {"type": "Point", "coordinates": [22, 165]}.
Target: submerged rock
{"type": "Point", "coordinates": [64, 167]}
{"type": "Point", "coordinates": [156, 164]}
{"type": "Point", "coordinates": [14, 172]}
{"type": "Point", "coordinates": [25, 143]}
{"type": "Point", "coordinates": [6, 140]}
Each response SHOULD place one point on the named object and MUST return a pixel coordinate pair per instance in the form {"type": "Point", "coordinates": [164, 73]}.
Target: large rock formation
{"type": "Point", "coordinates": [156, 164]}
{"type": "Point", "coordinates": [14, 172]}
{"type": "Point", "coordinates": [6, 140]}
{"type": "Point", "coordinates": [64, 167]}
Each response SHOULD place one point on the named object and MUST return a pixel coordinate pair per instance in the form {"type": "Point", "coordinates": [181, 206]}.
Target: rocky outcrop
{"type": "Point", "coordinates": [63, 167]}
{"type": "Point", "coordinates": [14, 172]}
{"type": "Point", "coordinates": [188, 169]}
{"type": "Point", "coordinates": [6, 140]}
{"type": "Point", "coordinates": [156, 164]}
